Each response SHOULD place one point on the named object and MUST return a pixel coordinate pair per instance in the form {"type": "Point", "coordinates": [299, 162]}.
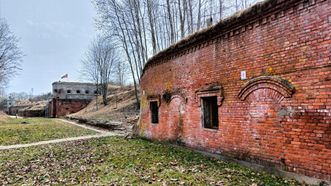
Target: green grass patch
{"type": "Point", "coordinates": [114, 160]}
{"type": "Point", "coordinates": [13, 131]}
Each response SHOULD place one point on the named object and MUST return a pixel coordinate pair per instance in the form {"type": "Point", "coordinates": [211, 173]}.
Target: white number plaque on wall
{"type": "Point", "coordinates": [243, 75]}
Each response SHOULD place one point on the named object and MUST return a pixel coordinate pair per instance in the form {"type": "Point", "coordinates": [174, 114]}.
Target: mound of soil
{"type": "Point", "coordinates": [120, 114]}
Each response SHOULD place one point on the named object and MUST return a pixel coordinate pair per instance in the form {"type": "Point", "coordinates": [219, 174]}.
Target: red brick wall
{"type": "Point", "coordinates": [64, 107]}
{"type": "Point", "coordinates": [32, 113]}
{"type": "Point", "coordinates": [268, 125]}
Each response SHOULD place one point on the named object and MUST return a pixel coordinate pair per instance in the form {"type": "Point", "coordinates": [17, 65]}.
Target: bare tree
{"type": "Point", "coordinates": [10, 53]}
{"type": "Point", "coordinates": [151, 19]}
{"type": "Point", "coordinates": [19, 96]}
{"type": "Point", "coordinates": [116, 21]}
{"type": "Point", "coordinates": [221, 4]}
{"type": "Point", "coordinates": [141, 28]}
{"type": "Point", "coordinates": [171, 24]}
{"type": "Point", "coordinates": [237, 5]}
{"type": "Point", "coordinates": [98, 64]}
{"type": "Point", "coordinates": [199, 15]}
{"type": "Point", "coordinates": [121, 71]}
{"type": "Point", "coordinates": [182, 16]}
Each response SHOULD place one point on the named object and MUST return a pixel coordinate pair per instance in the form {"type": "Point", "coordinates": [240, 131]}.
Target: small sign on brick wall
{"type": "Point", "coordinates": [243, 75]}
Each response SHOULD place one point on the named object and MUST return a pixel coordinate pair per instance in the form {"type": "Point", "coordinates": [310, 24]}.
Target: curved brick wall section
{"type": "Point", "coordinates": [281, 119]}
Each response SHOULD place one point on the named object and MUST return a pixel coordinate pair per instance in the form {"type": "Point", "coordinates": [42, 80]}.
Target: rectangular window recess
{"type": "Point", "coordinates": [210, 112]}
{"type": "Point", "coordinates": [154, 112]}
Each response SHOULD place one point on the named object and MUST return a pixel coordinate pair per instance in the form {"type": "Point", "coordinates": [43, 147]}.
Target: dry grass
{"type": "Point", "coordinates": [3, 116]}
{"type": "Point", "coordinates": [121, 107]}
{"type": "Point", "coordinates": [13, 131]}
{"type": "Point", "coordinates": [116, 161]}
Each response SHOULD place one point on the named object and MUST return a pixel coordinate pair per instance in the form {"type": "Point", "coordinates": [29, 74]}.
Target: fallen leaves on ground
{"type": "Point", "coordinates": [117, 161]}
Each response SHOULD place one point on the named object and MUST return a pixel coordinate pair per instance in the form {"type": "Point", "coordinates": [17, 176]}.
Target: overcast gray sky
{"type": "Point", "coordinates": [54, 35]}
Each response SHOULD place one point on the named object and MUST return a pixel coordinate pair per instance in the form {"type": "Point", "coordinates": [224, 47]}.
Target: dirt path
{"type": "Point", "coordinates": [84, 126]}
{"type": "Point", "coordinates": [101, 134]}
{"type": "Point", "coordinates": [16, 117]}
{"type": "Point", "coordinates": [57, 141]}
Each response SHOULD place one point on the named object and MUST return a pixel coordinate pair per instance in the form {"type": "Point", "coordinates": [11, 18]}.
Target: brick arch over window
{"type": "Point", "coordinates": [179, 96]}
{"type": "Point", "coordinates": [277, 84]}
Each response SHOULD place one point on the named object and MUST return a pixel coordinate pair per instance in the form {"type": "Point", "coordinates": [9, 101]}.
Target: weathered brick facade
{"type": "Point", "coordinates": [63, 107]}
{"type": "Point", "coordinates": [70, 97]}
{"type": "Point", "coordinates": [279, 116]}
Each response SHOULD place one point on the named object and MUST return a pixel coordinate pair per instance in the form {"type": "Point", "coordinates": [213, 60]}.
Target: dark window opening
{"type": "Point", "coordinates": [154, 111]}
{"type": "Point", "coordinates": [210, 112]}
{"type": "Point", "coordinates": [78, 91]}
{"type": "Point", "coordinates": [55, 90]}
{"type": "Point", "coordinates": [87, 91]}
{"type": "Point", "coordinates": [68, 91]}
{"type": "Point", "coordinates": [95, 92]}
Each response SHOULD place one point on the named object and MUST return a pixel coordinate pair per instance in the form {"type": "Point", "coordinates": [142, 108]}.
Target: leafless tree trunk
{"type": "Point", "coordinates": [211, 6]}
{"type": "Point", "coordinates": [151, 21]}
{"type": "Point", "coordinates": [199, 15]}
{"type": "Point", "coordinates": [10, 54]}
{"type": "Point", "coordinates": [244, 4]}
{"type": "Point", "coordinates": [126, 49]}
{"type": "Point", "coordinates": [140, 29]}
{"type": "Point", "coordinates": [237, 5]}
{"type": "Point", "coordinates": [221, 9]}
{"type": "Point", "coordinates": [171, 24]}
{"type": "Point", "coordinates": [133, 43]}
{"type": "Point", "coordinates": [90, 73]}
{"type": "Point", "coordinates": [98, 64]}
{"type": "Point", "coordinates": [190, 9]}
{"type": "Point", "coordinates": [182, 17]}
{"type": "Point", "coordinates": [121, 71]}
{"type": "Point", "coordinates": [143, 27]}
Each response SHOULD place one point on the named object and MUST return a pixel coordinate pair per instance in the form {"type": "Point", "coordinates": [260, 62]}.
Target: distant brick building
{"type": "Point", "coordinates": [28, 108]}
{"type": "Point", "coordinates": [70, 97]}
{"type": "Point", "coordinates": [256, 86]}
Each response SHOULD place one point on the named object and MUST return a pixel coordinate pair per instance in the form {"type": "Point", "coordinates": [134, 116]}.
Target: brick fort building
{"type": "Point", "coordinates": [254, 87]}
{"type": "Point", "coordinates": [70, 97]}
